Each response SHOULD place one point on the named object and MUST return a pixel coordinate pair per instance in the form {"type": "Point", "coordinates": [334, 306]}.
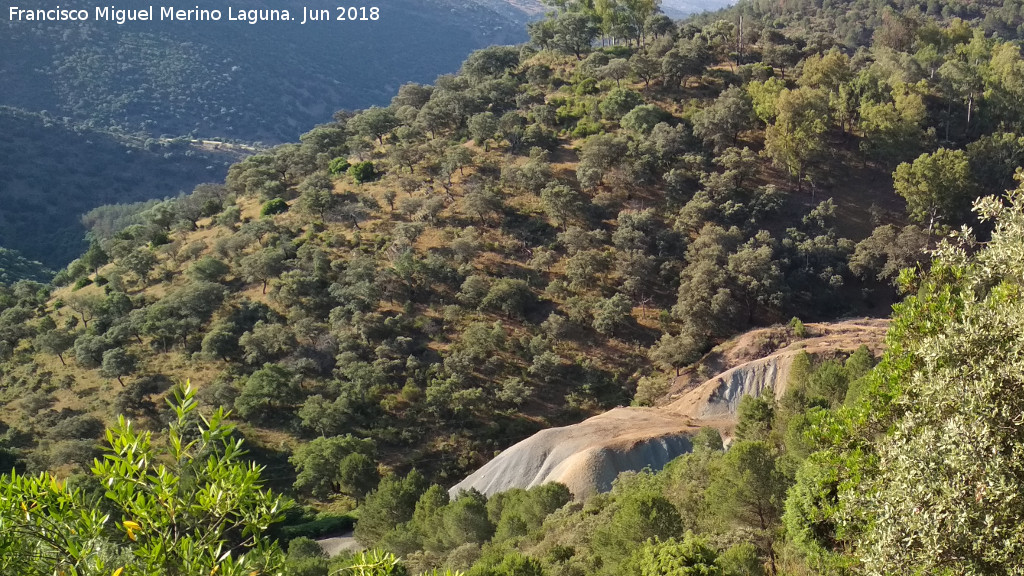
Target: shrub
{"type": "Point", "coordinates": [275, 206]}
{"type": "Point", "coordinates": [644, 118]}
{"type": "Point", "coordinates": [159, 239]}
{"type": "Point", "coordinates": [650, 389]}
{"type": "Point", "coordinates": [691, 556]}
{"type": "Point", "coordinates": [338, 166]}
{"type": "Point", "coordinates": [322, 526]}
{"type": "Point", "coordinates": [363, 172]}
{"type": "Point", "coordinates": [619, 102]}
{"type": "Point", "coordinates": [77, 428]}
{"type": "Point", "coordinates": [798, 328]}
{"type": "Point", "coordinates": [209, 269]}
{"type": "Point", "coordinates": [586, 128]}
{"type": "Point", "coordinates": [306, 558]}
{"type": "Point", "coordinates": [586, 86]}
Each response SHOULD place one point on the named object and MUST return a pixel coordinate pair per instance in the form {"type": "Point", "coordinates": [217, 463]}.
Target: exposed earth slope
{"type": "Point", "coordinates": [587, 457]}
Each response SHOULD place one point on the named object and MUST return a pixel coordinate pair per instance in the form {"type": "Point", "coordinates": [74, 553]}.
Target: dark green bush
{"type": "Point", "coordinates": [586, 128]}
{"type": "Point", "coordinates": [363, 172]}
{"type": "Point", "coordinates": [275, 206]}
{"type": "Point", "coordinates": [338, 166]}
{"type": "Point", "coordinates": [587, 86]}
{"type": "Point", "coordinates": [322, 526]}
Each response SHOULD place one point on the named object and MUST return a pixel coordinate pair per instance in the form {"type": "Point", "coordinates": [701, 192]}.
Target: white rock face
{"type": "Point", "coordinates": [719, 398]}
{"type": "Point", "coordinates": [587, 457]}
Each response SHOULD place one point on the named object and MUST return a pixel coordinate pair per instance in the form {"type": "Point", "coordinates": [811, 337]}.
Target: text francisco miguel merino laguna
{"type": "Point", "coordinates": [148, 14]}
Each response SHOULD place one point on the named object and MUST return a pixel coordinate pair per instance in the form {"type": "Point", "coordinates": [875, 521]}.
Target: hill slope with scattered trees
{"type": "Point", "coordinates": [554, 231]}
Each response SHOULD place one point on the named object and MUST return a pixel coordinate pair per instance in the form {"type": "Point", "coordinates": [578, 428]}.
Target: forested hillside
{"type": "Point", "coordinates": [555, 230]}
{"type": "Point", "coordinates": [15, 267]}
{"type": "Point", "coordinates": [267, 82]}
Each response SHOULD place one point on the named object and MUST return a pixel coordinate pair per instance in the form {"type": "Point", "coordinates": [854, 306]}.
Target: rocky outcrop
{"type": "Point", "coordinates": [719, 397]}
{"type": "Point", "coordinates": [714, 401]}
{"type": "Point", "coordinates": [587, 457]}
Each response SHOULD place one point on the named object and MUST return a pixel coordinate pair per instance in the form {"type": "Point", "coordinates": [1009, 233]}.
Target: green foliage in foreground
{"type": "Point", "coordinates": [187, 505]}
{"type": "Point", "coordinates": [938, 492]}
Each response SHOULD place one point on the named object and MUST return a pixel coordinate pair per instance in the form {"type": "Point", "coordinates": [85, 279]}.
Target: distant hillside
{"type": "Point", "coordinates": [681, 8]}
{"type": "Point", "coordinates": [15, 267]}
{"type": "Point", "coordinates": [51, 174]}
{"type": "Point", "coordinates": [269, 82]}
